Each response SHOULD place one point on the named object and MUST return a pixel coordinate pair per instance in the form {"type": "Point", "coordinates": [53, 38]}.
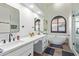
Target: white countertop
{"type": "Point", "coordinates": [8, 47]}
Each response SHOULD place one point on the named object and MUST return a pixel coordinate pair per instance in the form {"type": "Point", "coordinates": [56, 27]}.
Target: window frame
{"type": "Point", "coordinates": [57, 17]}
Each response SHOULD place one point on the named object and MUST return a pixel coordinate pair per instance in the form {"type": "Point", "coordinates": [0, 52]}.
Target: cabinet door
{"type": "Point", "coordinates": [4, 19]}
{"type": "Point", "coordinates": [44, 43]}
{"type": "Point", "coordinates": [38, 47]}
{"type": "Point", "coordinates": [28, 52]}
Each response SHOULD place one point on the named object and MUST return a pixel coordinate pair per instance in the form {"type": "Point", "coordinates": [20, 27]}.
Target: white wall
{"type": "Point", "coordinates": [63, 10]}
{"type": "Point", "coordinates": [54, 9]}
{"type": "Point", "coordinates": [26, 20]}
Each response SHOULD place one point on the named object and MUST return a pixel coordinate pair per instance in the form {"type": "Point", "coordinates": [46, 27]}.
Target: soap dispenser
{"type": "Point", "coordinates": [18, 37]}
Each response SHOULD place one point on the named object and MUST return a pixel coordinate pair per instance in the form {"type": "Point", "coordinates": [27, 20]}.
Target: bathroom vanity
{"type": "Point", "coordinates": [25, 46]}
{"type": "Point", "coordinates": [9, 23]}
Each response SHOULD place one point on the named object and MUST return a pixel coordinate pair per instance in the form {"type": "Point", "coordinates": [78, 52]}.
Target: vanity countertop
{"type": "Point", "coordinates": [8, 47]}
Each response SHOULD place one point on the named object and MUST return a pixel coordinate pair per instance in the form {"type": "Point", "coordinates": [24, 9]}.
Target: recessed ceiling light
{"type": "Point", "coordinates": [39, 12]}
{"type": "Point", "coordinates": [31, 6]}
{"type": "Point", "coordinates": [0, 6]}
{"type": "Point", "coordinates": [58, 4]}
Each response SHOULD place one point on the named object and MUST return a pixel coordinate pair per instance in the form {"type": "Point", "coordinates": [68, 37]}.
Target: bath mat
{"type": "Point", "coordinates": [49, 50]}
{"type": "Point", "coordinates": [64, 53]}
{"type": "Point", "coordinates": [57, 46]}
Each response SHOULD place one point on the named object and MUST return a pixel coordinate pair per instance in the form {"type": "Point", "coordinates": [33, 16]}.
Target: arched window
{"type": "Point", "coordinates": [58, 24]}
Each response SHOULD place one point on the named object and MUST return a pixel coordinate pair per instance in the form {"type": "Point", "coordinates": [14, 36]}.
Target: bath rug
{"type": "Point", "coordinates": [49, 50]}
{"type": "Point", "coordinates": [56, 46]}
{"type": "Point", "coordinates": [64, 53]}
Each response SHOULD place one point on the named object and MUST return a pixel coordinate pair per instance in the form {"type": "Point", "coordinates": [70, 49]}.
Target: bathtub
{"type": "Point", "coordinates": [59, 40]}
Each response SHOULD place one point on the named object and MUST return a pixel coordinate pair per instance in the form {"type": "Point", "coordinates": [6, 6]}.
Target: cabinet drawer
{"type": "Point", "coordinates": [28, 53]}
{"type": "Point", "coordinates": [35, 42]}
{"type": "Point", "coordinates": [45, 42]}
{"type": "Point", "coordinates": [20, 50]}
{"type": "Point", "coordinates": [28, 46]}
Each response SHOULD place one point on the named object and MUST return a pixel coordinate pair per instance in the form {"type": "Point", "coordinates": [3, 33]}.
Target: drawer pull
{"type": "Point", "coordinates": [29, 54]}
{"type": "Point", "coordinates": [73, 43]}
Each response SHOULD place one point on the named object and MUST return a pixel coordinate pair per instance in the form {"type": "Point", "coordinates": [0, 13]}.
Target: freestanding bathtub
{"type": "Point", "coordinates": [57, 39]}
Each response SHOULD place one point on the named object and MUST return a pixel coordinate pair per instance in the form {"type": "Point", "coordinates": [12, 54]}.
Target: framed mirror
{"type": "Point", "coordinates": [37, 25]}
{"type": "Point", "coordinates": [9, 19]}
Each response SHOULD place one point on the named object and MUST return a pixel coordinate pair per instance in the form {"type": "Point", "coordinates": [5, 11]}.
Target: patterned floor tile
{"type": "Point", "coordinates": [58, 50]}
{"type": "Point", "coordinates": [64, 53]}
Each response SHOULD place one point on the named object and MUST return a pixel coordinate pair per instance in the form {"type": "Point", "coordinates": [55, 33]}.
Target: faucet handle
{"type": "Point", "coordinates": [11, 34]}
{"type": "Point", "coordinates": [4, 41]}
{"type": "Point", "coordinates": [1, 50]}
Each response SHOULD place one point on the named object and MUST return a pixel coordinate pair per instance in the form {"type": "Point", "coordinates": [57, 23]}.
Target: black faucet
{"type": "Point", "coordinates": [4, 41]}
{"type": "Point", "coordinates": [10, 37]}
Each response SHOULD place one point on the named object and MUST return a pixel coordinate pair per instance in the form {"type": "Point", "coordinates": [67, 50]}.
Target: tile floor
{"type": "Point", "coordinates": [57, 50]}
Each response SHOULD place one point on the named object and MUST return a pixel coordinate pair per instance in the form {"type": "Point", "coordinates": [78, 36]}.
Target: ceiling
{"type": "Point", "coordinates": [32, 7]}
{"type": "Point", "coordinates": [46, 7]}
{"type": "Point", "coordinates": [53, 9]}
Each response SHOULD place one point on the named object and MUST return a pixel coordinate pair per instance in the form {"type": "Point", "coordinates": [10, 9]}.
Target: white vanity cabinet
{"type": "Point", "coordinates": [44, 43]}
{"type": "Point", "coordinates": [26, 50]}
{"type": "Point", "coordinates": [41, 45]}
{"type": "Point", "coordinates": [26, 46]}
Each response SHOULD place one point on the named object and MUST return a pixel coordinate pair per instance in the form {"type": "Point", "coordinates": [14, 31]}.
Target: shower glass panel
{"type": "Point", "coordinates": [76, 32]}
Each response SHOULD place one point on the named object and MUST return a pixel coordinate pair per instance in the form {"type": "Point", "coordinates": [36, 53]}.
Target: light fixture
{"type": "Point", "coordinates": [0, 6]}
{"type": "Point", "coordinates": [39, 12]}
{"type": "Point", "coordinates": [31, 6]}
{"type": "Point", "coordinates": [35, 15]}
{"type": "Point", "coordinates": [57, 4]}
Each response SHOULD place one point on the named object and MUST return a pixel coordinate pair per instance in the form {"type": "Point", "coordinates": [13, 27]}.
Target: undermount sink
{"type": "Point", "coordinates": [9, 45]}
